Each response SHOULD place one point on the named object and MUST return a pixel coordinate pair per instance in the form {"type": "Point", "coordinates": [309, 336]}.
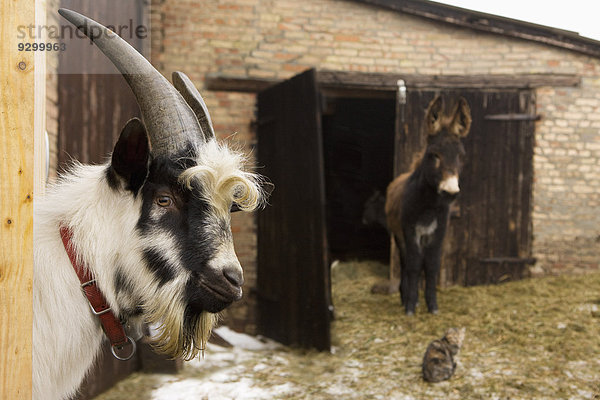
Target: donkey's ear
{"type": "Point", "coordinates": [433, 116]}
{"type": "Point", "coordinates": [131, 154]}
{"type": "Point", "coordinates": [461, 122]}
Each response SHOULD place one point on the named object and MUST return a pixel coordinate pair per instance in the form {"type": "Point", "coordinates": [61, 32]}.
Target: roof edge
{"type": "Point", "coordinates": [491, 23]}
{"type": "Point", "coordinates": [388, 82]}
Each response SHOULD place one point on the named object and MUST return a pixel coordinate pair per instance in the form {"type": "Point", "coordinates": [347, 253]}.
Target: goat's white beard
{"type": "Point", "coordinates": [176, 337]}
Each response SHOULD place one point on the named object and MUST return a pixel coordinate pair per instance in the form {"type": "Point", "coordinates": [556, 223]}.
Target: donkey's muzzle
{"type": "Point", "coordinates": [449, 185]}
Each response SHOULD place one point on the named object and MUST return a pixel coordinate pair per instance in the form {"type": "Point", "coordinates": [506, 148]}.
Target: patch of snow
{"type": "Point", "coordinates": [260, 367]}
{"type": "Point", "coordinates": [402, 397]}
{"type": "Point", "coordinates": [243, 341]}
{"type": "Point", "coordinates": [353, 364]}
{"type": "Point", "coordinates": [241, 389]}
{"type": "Point", "coordinates": [221, 375]}
{"type": "Point", "coordinates": [475, 374]}
{"type": "Point", "coordinates": [588, 308]}
{"type": "Point", "coordinates": [584, 394]}
{"type": "Point", "coordinates": [338, 389]}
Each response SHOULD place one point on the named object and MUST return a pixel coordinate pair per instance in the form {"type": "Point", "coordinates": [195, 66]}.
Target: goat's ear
{"type": "Point", "coordinates": [461, 122]}
{"type": "Point", "coordinates": [131, 154]}
{"type": "Point", "coordinates": [433, 116]}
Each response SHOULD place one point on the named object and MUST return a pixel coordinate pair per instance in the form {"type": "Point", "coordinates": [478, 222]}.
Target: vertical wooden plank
{"type": "Point", "coordinates": [496, 195]}
{"type": "Point", "coordinates": [94, 106]}
{"type": "Point", "coordinates": [527, 133]}
{"type": "Point", "coordinates": [293, 270]}
{"type": "Point", "coordinates": [39, 117]}
{"type": "Point", "coordinates": [408, 143]}
{"type": "Point", "coordinates": [19, 103]}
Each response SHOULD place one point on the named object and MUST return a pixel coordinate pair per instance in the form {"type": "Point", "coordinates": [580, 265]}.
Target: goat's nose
{"type": "Point", "coordinates": [233, 273]}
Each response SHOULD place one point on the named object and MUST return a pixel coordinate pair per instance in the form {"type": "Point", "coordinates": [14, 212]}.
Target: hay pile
{"type": "Point", "coordinates": [533, 339]}
{"type": "Point", "coordinates": [528, 339]}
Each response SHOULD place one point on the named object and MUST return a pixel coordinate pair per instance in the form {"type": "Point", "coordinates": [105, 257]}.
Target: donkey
{"type": "Point", "coordinates": [143, 238]}
{"type": "Point", "coordinates": [374, 210]}
{"type": "Point", "coordinates": [417, 202]}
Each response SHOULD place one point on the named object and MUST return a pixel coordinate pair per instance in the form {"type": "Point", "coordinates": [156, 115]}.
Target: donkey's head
{"type": "Point", "coordinates": [446, 124]}
{"type": "Point", "coordinates": [184, 184]}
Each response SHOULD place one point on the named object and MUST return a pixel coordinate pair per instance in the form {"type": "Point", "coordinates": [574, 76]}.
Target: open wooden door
{"type": "Point", "coordinates": [293, 271]}
{"type": "Point", "coordinates": [489, 235]}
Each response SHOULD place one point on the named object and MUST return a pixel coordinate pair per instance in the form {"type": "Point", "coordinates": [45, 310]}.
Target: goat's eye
{"type": "Point", "coordinates": [164, 201]}
{"type": "Point", "coordinates": [235, 208]}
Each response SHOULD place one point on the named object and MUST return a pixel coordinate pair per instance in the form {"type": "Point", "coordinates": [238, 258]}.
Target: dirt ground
{"type": "Point", "coordinates": [533, 339]}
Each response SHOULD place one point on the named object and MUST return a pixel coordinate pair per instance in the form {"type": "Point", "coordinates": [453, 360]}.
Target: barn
{"type": "Point", "coordinates": [313, 90]}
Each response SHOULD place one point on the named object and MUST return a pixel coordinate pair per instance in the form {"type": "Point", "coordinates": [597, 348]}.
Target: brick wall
{"type": "Point", "coordinates": [567, 177]}
{"type": "Point", "coordinates": [277, 39]}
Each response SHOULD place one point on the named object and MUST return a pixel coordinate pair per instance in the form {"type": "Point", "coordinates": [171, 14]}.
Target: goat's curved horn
{"type": "Point", "coordinates": [191, 95]}
{"type": "Point", "coordinates": [170, 122]}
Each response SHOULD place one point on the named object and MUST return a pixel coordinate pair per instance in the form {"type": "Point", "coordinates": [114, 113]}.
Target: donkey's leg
{"type": "Point", "coordinates": [402, 263]}
{"type": "Point", "coordinates": [432, 268]}
{"type": "Point", "coordinates": [403, 285]}
{"type": "Point", "coordinates": [410, 281]}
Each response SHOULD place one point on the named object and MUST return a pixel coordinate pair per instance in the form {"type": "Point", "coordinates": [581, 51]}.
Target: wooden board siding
{"type": "Point", "coordinates": [293, 270]}
{"type": "Point", "coordinates": [489, 236]}
{"type": "Point", "coordinates": [93, 108]}
{"type": "Point", "coordinates": [497, 185]}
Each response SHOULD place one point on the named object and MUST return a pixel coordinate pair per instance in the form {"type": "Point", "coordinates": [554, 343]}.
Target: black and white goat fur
{"type": "Point", "coordinates": [152, 225]}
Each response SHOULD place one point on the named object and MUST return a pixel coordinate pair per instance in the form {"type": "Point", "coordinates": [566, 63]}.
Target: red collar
{"type": "Point", "coordinates": [110, 323]}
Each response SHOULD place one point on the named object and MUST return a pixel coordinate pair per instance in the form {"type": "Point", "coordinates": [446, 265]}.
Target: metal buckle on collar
{"type": "Point", "coordinates": [97, 313]}
{"type": "Point", "coordinates": [120, 347]}
{"type": "Point", "coordinates": [88, 283]}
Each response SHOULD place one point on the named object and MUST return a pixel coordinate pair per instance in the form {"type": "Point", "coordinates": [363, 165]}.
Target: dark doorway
{"type": "Point", "coordinates": [358, 142]}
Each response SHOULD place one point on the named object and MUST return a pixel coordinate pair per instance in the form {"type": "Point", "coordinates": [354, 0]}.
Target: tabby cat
{"type": "Point", "coordinates": [438, 362]}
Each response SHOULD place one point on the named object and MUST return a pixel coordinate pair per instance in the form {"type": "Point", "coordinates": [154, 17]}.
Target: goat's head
{"type": "Point", "coordinates": [444, 153]}
{"type": "Point", "coordinates": [186, 185]}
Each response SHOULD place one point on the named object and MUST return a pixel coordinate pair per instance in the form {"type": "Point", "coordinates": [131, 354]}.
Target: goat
{"type": "Point", "coordinates": [417, 202]}
{"type": "Point", "coordinates": [151, 226]}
